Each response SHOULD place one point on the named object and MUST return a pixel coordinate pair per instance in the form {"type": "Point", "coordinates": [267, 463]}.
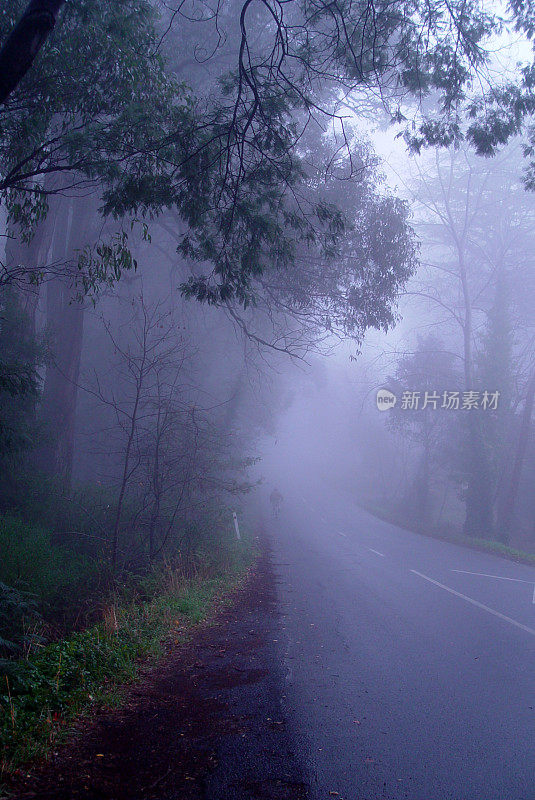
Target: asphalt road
{"type": "Point", "coordinates": [408, 662]}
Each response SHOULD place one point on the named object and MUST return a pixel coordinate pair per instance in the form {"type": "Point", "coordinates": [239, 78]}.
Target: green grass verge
{"type": "Point", "coordinates": [42, 695]}
{"type": "Point", "coordinates": [446, 535]}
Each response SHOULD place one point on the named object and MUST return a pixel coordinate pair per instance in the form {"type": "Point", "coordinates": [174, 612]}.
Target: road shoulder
{"type": "Point", "coordinates": [207, 722]}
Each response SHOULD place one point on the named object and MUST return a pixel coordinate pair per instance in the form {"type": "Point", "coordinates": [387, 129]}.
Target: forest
{"type": "Point", "coordinates": [200, 237]}
{"type": "Point", "coordinates": [454, 455]}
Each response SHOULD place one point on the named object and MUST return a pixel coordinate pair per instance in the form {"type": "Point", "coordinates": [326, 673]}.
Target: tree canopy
{"type": "Point", "coordinates": [99, 106]}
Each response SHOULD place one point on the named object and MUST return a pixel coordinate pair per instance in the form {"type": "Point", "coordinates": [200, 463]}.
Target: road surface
{"type": "Point", "coordinates": [408, 662]}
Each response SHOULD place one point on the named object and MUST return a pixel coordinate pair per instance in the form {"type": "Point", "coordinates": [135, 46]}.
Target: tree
{"type": "Point", "coordinates": [229, 174]}
{"type": "Point", "coordinates": [72, 127]}
{"type": "Point", "coordinates": [25, 41]}
{"type": "Point", "coordinates": [165, 449]}
{"type": "Point", "coordinates": [429, 373]}
{"type": "Point", "coordinates": [142, 366]}
{"type": "Point", "coordinates": [507, 509]}
{"type": "Point", "coordinates": [343, 281]}
{"type": "Point", "coordinates": [475, 221]}
{"type": "Point", "coordinates": [65, 328]}
{"type": "Point", "coordinates": [104, 123]}
{"type": "Point", "coordinates": [240, 156]}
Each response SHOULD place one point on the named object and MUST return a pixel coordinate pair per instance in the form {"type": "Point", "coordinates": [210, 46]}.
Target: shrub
{"type": "Point", "coordinates": [60, 583]}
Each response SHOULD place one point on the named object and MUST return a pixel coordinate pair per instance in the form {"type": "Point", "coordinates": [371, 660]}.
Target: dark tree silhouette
{"type": "Point", "coordinates": [23, 45]}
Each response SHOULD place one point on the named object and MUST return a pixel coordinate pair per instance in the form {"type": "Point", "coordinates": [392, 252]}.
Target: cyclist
{"type": "Point", "coordinates": [275, 498]}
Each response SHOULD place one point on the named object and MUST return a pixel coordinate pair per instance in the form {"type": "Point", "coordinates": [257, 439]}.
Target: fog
{"type": "Point", "coordinates": [267, 292]}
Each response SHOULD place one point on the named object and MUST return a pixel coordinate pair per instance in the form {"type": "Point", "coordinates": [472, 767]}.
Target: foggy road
{"type": "Point", "coordinates": [408, 661]}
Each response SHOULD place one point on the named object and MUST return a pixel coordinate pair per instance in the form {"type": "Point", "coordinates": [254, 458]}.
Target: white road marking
{"type": "Point", "coordinates": [377, 553]}
{"type": "Point", "coordinates": [476, 603]}
{"type": "Point", "coordinates": [342, 534]}
{"type": "Point", "coordinates": [499, 577]}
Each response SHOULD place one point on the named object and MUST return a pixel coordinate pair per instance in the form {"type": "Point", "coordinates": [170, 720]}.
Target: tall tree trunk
{"type": "Point", "coordinates": [23, 44]}
{"type": "Point", "coordinates": [156, 486]}
{"type": "Point", "coordinates": [423, 491]}
{"type": "Point", "coordinates": [65, 323]}
{"type": "Point", "coordinates": [127, 471]}
{"type": "Point", "coordinates": [508, 506]}
{"type": "Point", "coordinates": [479, 502]}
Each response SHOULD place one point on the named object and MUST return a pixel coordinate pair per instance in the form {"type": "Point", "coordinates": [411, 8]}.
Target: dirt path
{"type": "Point", "coordinates": [206, 723]}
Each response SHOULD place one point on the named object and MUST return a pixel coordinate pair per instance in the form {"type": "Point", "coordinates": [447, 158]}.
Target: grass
{"type": "Point", "coordinates": [41, 695]}
{"type": "Point", "coordinates": [447, 535]}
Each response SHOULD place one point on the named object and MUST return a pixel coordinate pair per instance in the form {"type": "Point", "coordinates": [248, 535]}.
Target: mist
{"type": "Point", "coordinates": [267, 386]}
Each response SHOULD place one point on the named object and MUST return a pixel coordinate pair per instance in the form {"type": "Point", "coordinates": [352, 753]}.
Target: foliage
{"type": "Point", "coordinates": [17, 612]}
{"type": "Point", "coordinates": [63, 580]}
{"type": "Point", "coordinates": [63, 585]}
{"type": "Point", "coordinates": [352, 283]}
{"type": "Point", "coordinates": [20, 357]}
{"type": "Point", "coordinates": [86, 120]}
{"type": "Point", "coordinates": [102, 106]}
{"type": "Point", "coordinates": [40, 695]}
{"type": "Point", "coordinates": [92, 100]}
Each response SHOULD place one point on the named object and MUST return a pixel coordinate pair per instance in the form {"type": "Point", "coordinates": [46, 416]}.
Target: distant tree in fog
{"type": "Point", "coordinates": [475, 221]}
{"type": "Point", "coordinates": [429, 372]}
{"type": "Point", "coordinates": [511, 484]}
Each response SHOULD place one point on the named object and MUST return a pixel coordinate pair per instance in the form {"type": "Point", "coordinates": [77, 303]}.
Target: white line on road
{"type": "Point", "coordinates": [477, 604]}
{"type": "Point", "coordinates": [342, 534]}
{"type": "Point", "coordinates": [377, 553]}
{"type": "Point", "coordinates": [499, 577]}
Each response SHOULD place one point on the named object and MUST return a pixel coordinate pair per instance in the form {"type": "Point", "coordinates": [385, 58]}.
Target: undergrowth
{"type": "Point", "coordinates": [52, 588]}
{"type": "Point", "coordinates": [42, 694]}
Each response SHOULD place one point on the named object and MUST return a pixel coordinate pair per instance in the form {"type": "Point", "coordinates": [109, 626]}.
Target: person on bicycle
{"type": "Point", "coordinates": [275, 499]}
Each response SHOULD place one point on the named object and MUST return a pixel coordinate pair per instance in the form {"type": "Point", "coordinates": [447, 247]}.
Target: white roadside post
{"type": "Point", "coordinates": [236, 526]}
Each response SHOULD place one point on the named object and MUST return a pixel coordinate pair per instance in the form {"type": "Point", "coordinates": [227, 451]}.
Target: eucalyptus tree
{"type": "Point", "coordinates": [239, 157]}
{"type": "Point", "coordinates": [475, 223]}
{"type": "Point", "coordinates": [340, 280]}
{"type": "Point", "coordinates": [76, 134]}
